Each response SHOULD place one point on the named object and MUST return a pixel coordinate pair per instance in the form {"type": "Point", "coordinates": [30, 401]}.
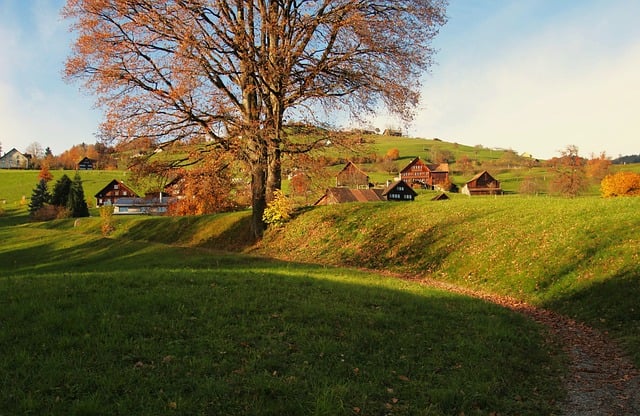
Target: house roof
{"type": "Point", "coordinates": [395, 184]}
{"type": "Point", "coordinates": [433, 167]}
{"type": "Point", "coordinates": [476, 177]}
{"type": "Point", "coordinates": [110, 186]}
{"type": "Point", "coordinates": [15, 151]}
{"type": "Point", "coordinates": [342, 195]}
{"type": "Point", "coordinates": [355, 168]}
{"type": "Point", "coordinates": [440, 197]}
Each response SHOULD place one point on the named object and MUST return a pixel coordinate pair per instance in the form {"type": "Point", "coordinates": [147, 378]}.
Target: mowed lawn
{"type": "Point", "coordinates": [97, 326]}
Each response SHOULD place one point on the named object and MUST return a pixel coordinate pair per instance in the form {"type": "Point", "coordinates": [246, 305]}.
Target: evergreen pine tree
{"type": "Point", "coordinates": [39, 197]}
{"type": "Point", "coordinates": [61, 191]}
{"type": "Point", "coordinates": [76, 203]}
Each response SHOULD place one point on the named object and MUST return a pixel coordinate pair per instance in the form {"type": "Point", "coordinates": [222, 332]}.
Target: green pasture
{"type": "Point", "coordinates": [16, 184]}
{"type": "Point", "coordinates": [187, 315]}
{"type": "Point", "coordinates": [115, 326]}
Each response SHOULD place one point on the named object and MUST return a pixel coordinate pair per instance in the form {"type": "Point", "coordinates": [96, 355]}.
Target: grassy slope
{"type": "Point", "coordinates": [577, 256]}
{"type": "Point", "coordinates": [114, 326]}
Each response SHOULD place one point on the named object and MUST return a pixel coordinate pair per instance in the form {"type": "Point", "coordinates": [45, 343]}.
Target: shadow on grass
{"type": "Point", "coordinates": [611, 305]}
{"type": "Point", "coordinates": [12, 216]}
{"type": "Point", "coordinates": [256, 338]}
{"type": "Point", "coordinates": [229, 232]}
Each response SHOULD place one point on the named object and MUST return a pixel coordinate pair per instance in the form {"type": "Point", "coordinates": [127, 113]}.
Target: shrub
{"type": "Point", "coordinates": [621, 184]}
{"type": "Point", "coordinates": [393, 154]}
{"type": "Point", "coordinates": [279, 210]}
{"type": "Point", "coordinates": [106, 214]}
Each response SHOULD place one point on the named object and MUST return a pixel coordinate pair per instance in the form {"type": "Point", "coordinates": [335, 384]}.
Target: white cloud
{"type": "Point", "coordinates": [573, 80]}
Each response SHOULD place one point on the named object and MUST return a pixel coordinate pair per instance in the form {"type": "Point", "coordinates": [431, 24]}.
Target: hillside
{"type": "Point", "coordinates": [575, 256]}
{"type": "Point", "coordinates": [176, 282]}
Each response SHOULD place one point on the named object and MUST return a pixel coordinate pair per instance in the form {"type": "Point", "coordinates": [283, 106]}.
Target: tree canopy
{"type": "Point", "coordinates": [230, 73]}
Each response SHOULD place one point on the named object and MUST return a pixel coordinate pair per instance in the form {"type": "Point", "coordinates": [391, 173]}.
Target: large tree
{"type": "Point", "coordinates": [233, 71]}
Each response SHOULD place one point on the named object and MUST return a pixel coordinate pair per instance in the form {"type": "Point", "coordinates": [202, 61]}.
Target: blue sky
{"type": "Point", "coordinates": [530, 75]}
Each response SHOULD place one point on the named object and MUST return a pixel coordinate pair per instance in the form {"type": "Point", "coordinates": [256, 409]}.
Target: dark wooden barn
{"type": "Point", "coordinates": [112, 192]}
{"type": "Point", "coordinates": [399, 191]}
{"type": "Point", "coordinates": [86, 164]}
{"type": "Point", "coordinates": [351, 176]}
{"type": "Point", "coordinates": [482, 184]}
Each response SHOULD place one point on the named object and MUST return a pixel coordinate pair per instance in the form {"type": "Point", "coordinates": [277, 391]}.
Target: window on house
{"type": "Point", "coordinates": [116, 186]}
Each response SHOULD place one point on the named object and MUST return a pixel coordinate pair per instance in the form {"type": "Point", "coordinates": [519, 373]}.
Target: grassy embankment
{"type": "Point", "coordinates": [94, 325]}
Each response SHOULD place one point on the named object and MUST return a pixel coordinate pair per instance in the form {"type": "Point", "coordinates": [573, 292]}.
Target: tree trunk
{"type": "Point", "coordinates": [258, 199]}
{"type": "Point", "coordinates": [274, 173]}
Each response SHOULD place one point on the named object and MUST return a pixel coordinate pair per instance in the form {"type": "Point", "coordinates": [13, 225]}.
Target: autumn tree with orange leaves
{"type": "Point", "coordinates": [231, 72]}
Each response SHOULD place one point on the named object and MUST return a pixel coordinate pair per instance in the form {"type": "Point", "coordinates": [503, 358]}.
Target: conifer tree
{"type": "Point", "coordinates": [39, 197]}
{"type": "Point", "coordinates": [76, 203]}
{"type": "Point", "coordinates": [61, 191]}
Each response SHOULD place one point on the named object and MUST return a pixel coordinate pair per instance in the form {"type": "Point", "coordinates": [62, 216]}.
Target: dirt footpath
{"type": "Point", "coordinates": [601, 381]}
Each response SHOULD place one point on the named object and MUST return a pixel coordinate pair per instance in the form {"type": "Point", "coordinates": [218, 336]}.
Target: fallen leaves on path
{"type": "Point", "coordinates": [601, 381]}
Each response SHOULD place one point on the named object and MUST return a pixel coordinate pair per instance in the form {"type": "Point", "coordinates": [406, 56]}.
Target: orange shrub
{"type": "Point", "coordinates": [621, 184]}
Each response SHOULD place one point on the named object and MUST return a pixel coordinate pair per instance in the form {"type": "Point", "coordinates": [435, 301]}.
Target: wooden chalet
{"type": "Point", "coordinates": [482, 184]}
{"type": "Point", "coordinates": [340, 195]}
{"type": "Point", "coordinates": [351, 176]}
{"type": "Point", "coordinates": [112, 192]}
{"type": "Point", "coordinates": [86, 164]}
{"type": "Point", "coordinates": [13, 159]}
{"type": "Point", "coordinates": [399, 191]}
{"type": "Point", "coordinates": [428, 176]}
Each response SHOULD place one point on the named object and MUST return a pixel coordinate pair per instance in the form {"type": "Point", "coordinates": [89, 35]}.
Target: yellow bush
{"type": "Point", "coordinates": [621, 184]}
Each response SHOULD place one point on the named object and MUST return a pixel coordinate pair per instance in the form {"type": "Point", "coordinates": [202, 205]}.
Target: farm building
{"type": "Point", "coordinates": [392, 132]}
{"type": "Point", "coordinates": [429, 176]}
{"type": "Point", "coordinates": [112, 192]}
{"type": "Point", "coordinates": [341, 195]}
{"type": "Point", "coordinates": [86, 164]}
{"type": "Point", "coordinates": [153, 204]}
{"type": "Point", "coordinates": [13, 159]}
{"type": "Point", "coordinates": [399, 191]}
{"type": "Point", "coordinates": [482, 184]}
{"type": "Point", "coordinates": [351, 176]}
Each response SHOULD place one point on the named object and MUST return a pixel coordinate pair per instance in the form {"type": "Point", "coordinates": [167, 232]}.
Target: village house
{"type": "Point", "coordinates": [112, 192]}
{"type": "Point", "coordinates": [86, 164]}
{"type": "Point", "coordinates": [13, 159]}
{"type": "Point", "coordinates": [351, 176]}
{"type": "Point", "coordinates": [428, 176]}
{"type": "Point", "coordinates": [399, 191]}
{"type": "Point", "coordinates": [482, 184]}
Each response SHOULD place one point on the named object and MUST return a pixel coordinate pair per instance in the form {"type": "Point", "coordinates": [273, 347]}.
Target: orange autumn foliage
{"type": "Point", "coordinates": [621, 184]}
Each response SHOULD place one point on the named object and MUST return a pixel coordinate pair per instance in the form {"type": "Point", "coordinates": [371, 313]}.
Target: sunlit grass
{"type": "Point", "coordinates": [113, 326]}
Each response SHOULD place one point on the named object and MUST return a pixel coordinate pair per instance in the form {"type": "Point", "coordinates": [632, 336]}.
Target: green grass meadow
{"type": "Point", "coordinates": [19, 184]}
{"type": "Point", "coordinates": [187, 316]}
{"type": "Point", "coordinates": [99, 326]}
